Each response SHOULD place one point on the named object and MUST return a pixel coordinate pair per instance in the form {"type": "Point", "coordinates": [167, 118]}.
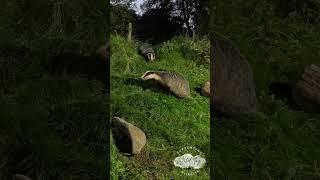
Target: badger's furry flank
{"type": "Point", "coordinates": [175, 82]}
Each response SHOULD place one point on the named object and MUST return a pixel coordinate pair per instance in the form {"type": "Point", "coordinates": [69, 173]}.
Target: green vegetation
{"type": "Point", "coordinates": [278, 142]}
{"type": "Point", "coordinates": [52, 126]}
{"type": "Point", "coordinates": [169, 123]}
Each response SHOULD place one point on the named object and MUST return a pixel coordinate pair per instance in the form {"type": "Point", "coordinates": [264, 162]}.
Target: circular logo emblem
{"type": "Point", "coordinates": [190, 160]}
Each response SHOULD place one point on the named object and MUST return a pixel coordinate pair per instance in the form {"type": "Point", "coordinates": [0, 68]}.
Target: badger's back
{"type": "Point", "coordinates": [176, 83]}
{"type": "Point", "coordinates": [146, 50]}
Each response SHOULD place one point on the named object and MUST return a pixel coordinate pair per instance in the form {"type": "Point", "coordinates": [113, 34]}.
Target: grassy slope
{"type": "Point", "coordinates": [169, 123]}
{"type": "Point", "coordinates": [52, 127]}
{"type": "Point", "coordinates": [279, 143]}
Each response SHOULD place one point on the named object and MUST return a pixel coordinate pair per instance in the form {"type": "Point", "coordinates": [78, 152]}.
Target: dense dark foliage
{"type": "Point", "coordinates": [53, 126]}
{"type": "Point", "coordinates": [161, 19]}
{"type": "Point", "coordinates": [120, 16]}
{"type": "Point", "coordinates": [156, 26]}
{"type": "Point", "coordinates": [279, 142]}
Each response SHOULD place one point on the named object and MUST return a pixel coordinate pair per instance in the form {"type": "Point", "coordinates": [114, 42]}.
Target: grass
{"type": "Point", "coordinates": [278, 142]}
{"type": "Point", "coordinates": [52, 127]}
{"type": "Point", "coordinates": [168, 122]}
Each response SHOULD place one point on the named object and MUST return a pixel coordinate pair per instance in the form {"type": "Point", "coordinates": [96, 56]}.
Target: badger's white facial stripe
{"type": "Point", "coordinates": [152, 56]}
{"type": "Point", "coordinates": [145, 74]}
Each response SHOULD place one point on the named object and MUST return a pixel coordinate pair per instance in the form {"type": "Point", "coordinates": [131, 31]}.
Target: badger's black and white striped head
{"type": "Point", "coordinates": [147, 52]}
{"type": "Point", "coordinates": [150, 75]}
{"type": "Point", "coordinates": [151, 56]}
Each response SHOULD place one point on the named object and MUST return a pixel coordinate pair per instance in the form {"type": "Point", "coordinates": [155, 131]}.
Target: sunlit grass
{"type": "Point", "coordinates": [168, 122]}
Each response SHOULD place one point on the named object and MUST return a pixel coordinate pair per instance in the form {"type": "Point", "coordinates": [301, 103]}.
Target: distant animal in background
{"type": "Point", "coordinates": [174, 82]}
{"type": "Point", "coordinates": [147, 52]}
{"type": "Point", "coordinates": [92, 67]}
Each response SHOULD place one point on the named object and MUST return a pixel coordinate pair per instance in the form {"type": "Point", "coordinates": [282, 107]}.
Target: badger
{"type": "Point", "coordinates": [175, 82]}
{"type": "Point", "coordinates": [147, 52]}
{"type": "Point", "coordinates": [92, 67]}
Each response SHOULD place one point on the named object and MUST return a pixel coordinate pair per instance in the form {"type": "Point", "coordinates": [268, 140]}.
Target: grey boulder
{"type": "Point", "coordinates": [233, 89]}
{"type": "Point", "coordinates": [129, 138]}
{"type": "Point", "coordinates": [306, 92]}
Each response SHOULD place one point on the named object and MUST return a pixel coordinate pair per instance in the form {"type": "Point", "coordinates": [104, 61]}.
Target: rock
{"type": "Point", "coordinates": [129, 139]}
{"type": "Point", "coordinates": [306, 92]}
{"type": "Point", "coordinates": [205, 89]}
{"type": "Point", "coordinates": [234, 89]}
{"type": "Point", "coordinates": [20, 177]}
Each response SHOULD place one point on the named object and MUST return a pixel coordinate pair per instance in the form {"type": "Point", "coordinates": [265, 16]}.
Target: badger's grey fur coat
{"type": "Point", "coordinates": [175, 82]}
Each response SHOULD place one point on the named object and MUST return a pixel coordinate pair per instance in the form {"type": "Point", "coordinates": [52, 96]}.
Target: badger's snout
{"type": "Point", "coordinates": [143, 77]}
{"type": "Point", "coordinates": [151, 56]}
